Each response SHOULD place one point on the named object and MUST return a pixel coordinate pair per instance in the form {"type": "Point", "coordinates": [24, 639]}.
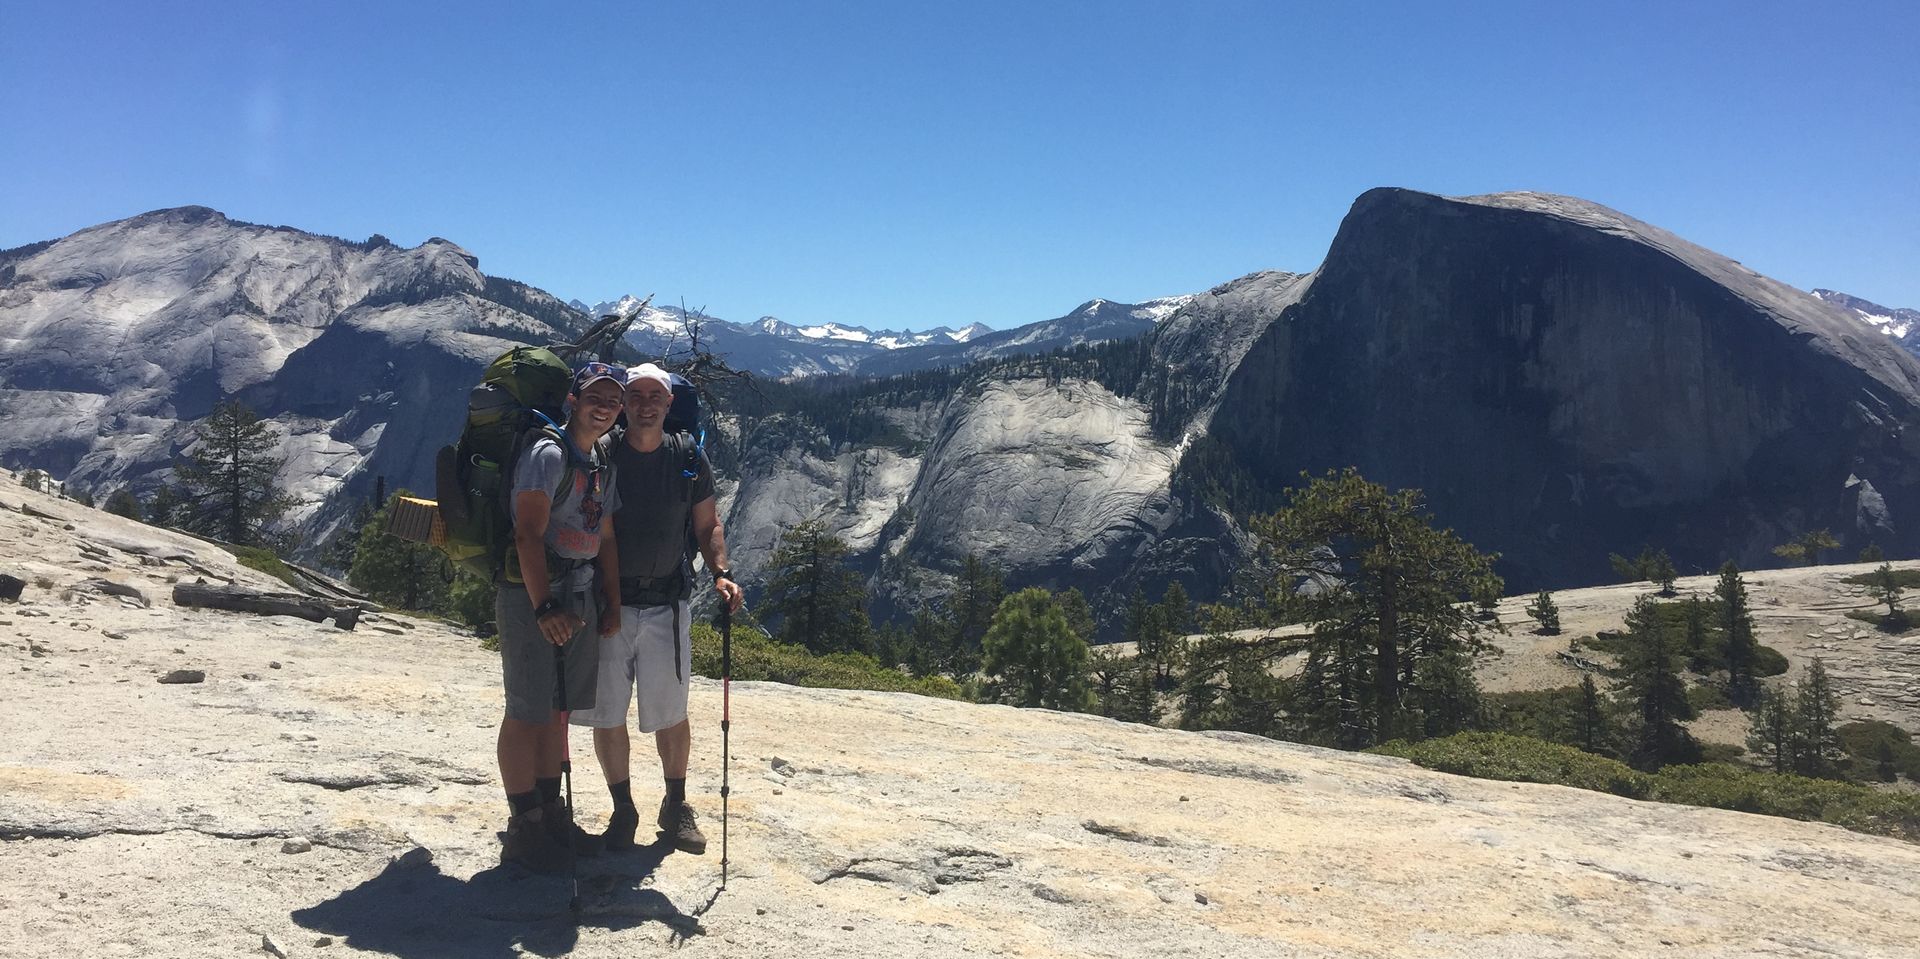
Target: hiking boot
{"type": "Point", "coordinates": [530, 844]}
{"type": "Point", "coordinates": [564, 831]}
{"type": "Point", "coordinates": [620, 828]}
{"type": "Point", "coordinates": [677, 821]}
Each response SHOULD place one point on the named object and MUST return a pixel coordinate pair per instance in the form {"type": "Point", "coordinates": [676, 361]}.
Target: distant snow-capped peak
{"type": "Point", "coordinates": [1896, 323]}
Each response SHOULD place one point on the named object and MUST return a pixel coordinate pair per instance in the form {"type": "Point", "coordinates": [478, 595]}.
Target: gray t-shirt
{"type": "Point", "coordinates": [651, 525]}
{"type": "Point", "coordinates": [574, 526]}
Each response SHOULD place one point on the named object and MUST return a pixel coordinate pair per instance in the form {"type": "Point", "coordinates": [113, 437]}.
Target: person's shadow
{"type": "Point", "coordinates": [420, 912]}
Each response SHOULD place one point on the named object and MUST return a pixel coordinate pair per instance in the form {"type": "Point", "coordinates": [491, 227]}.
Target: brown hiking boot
{"type": "Point", "coordinates": [620, 829]}
{"type": "Point", "coordinates": [563, 830]}
{"type": "Point", "coordinates": [677, 821]}
{"type": "Point", "coordinates": [530, 844]}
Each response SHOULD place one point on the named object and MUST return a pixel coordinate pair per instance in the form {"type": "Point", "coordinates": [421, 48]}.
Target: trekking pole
{"type": "Point", "coordinates": [726, 722]}
{"type": "Point", "coordinates": [566, 764]}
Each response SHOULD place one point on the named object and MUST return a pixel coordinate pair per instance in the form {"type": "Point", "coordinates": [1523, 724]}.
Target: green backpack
{"type": "Point", "coordinates": [519, 399]}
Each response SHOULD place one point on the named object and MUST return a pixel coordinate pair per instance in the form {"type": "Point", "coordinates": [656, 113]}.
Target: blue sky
{"type": "Point", "coordinates": [909, 164]}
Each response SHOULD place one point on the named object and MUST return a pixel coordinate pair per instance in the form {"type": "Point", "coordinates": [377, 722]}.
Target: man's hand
{"type": "Point", "coordinates": [559, 626]}
{"type": "Point", "coordinates": [610, 620]}
{"type": "Point", "coordinates": [731, 592]}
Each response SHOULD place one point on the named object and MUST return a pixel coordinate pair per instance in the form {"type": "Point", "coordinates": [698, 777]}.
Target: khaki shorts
{"type": "Point", "coordinates": [650, 660]}
{"type": "Point", "coordinates": [527, 660]}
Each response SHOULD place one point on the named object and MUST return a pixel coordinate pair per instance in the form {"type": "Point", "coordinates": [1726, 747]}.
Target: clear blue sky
{"type": "Point", "coordinates": [912, 164]}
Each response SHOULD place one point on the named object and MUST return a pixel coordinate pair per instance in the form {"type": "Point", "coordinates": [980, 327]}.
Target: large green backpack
{"type": "Point", "coordinates": [519, 399]}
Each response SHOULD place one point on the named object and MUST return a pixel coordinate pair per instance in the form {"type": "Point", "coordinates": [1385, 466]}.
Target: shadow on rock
{"type": "Point", "coordinates": [420, 912]}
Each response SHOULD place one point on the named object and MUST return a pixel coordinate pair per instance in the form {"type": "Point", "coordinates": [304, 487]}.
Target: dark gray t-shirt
{"type": "Point", "coordinates": [575, 525]}
{"type": "Point", "coordinates": [651, 526]}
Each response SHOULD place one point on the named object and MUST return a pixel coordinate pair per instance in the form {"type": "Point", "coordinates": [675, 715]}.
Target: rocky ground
{"type": "Point", "coordinates": [328, 792]}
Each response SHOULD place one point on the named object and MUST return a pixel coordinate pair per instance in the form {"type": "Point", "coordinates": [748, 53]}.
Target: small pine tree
{"type": "Point", "coordinates": [1818, 708]}
{"type": "Point", "coordinates": [1736, 622]}
{"type": "Point", "coordinates": [1033, 656]}
{"type": "Point", "coordinates": [1486, 600]}
{"type": "Point", "coordinates": [1546, 614]}
{"type": "Point", "coordinates": [1885, 587]}
{"type": "Point", "coordinates": [820, 602]}
{"type": "Point", "coordinates": [1591, 729]}
{"type": "Point", "coordinates": [1806, 547]}
{"type": "Point", "coordinates": [1872, 554]}
{"type": "Point", "coordinates": [1175, 615]}
{"type": "Point", "coordinates": [1073, 605]}
{"type": "Point", "coordinates": [1650, 684]}
{"type": "Point", "coordinates": [1695, 634]}
{"type": "Point", "coordinates": [1661, 572]}
{"type": "Point", "coordinates": [1775, 735]}
{"type": "Point", "coordinates": [230, 478]}
{"type": "Point", "coordinates": [124, 503]}
{"type": "Point", "coordinates": [398, 572]}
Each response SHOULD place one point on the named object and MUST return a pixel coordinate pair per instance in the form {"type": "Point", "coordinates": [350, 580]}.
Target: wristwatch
{"type": "Point", "coordinates": [552, 605]}
{"type": "Point", "coordinates": [720, 574]}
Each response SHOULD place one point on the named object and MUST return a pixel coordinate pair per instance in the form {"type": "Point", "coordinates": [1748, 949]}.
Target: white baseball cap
{"type": "Point", "coordinates": [648, 371]}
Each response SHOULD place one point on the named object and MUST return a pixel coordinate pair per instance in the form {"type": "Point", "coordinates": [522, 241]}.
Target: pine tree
{"type": "Point", "coordinates": [398, 572]}
{"type": "Point", "coordinates": [1545, 613]}
{"type": "Point", "coordinates": [1696, 611]}
{"type": "Point", "coordinates": [1107, 671]}
{"type": "Point", "coordinates": [1775, 735]}
{"type": "Point", "coordinates": [1486, 600]}
{"type": "Point", "coordinates": [1806, 547]}
{"type": "Point", "coordinates": [1649, 683]}
{"type": "Point", "coordinates": [1073, 605]}
{"type": "Point", "coordinates": [820, 603]}
{"type": "Point", "coordinates": [1885, 587]}
{"type": "Point", "coordinates": [1661, 571]}
{"type": "Point", "coordinates": [976, 598]}
{"type": "Point", "coordinates": [1397, 586]}
{"type": "Point", "coordinates": [1736, 622]}
{"type": "Point", "coordinates": [1033, 656]}
{"type": "Point", "coordinates": [1872, 554]}
{"type": "Point", "coordinates": [229, 481]}
{"type": "Point", "coordinates": [166, 506]}
{"type": "Point", "coordinates": [1818, 710]}
{"type": "Point", "coordinates": [1174, 616]}
{"type": "Point", "coordinates": [1592, 730]}
{"type": "Point", "coordinates": [124, 503]}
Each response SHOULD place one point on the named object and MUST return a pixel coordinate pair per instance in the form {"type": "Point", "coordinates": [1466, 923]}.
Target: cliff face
{"type": "Point", "coordinates": [1565, 381]}
{"type": "Point", "coordinates": [120, 337]}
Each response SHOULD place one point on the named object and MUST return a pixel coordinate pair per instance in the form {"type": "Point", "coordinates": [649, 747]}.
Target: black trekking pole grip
{"type": "Point", "coordinates": [726, 724]}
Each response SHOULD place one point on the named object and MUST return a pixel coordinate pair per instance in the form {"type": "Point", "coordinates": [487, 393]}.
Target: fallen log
{"type": "Point", "coordinates": [239, 599]}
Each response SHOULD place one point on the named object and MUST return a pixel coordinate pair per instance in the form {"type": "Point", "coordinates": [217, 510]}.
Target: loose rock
{"type": "Point", "coordinates": [298, 844]}
{"type": "Point", "coordinates": [180, 676]}
{"type": "Point", "coordinates": [267, 943]}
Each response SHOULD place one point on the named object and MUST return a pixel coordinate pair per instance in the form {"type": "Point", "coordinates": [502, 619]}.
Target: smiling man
{"type": "Point", "coordinates": [666, 492]}
{"type": "Point", "coordinates": [563, 490]}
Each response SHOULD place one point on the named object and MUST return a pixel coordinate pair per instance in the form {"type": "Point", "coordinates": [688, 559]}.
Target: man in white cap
{"type": "Point", "coordinates": [666, 489]}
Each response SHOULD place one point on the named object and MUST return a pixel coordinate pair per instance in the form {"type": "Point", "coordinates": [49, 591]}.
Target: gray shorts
{"type": "Point", "coordinates": [527, 660]}
{"type": "Point", "coordinates": [649, 659]}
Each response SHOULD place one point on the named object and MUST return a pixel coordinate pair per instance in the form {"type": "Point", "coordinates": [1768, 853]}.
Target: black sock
{"type": "Point", "coordinates": [549, 789]}
{"type": "Point", "coordinates": [622, 794]}
{"type": "Point", "coordinates": [677, 790]}
{"type": "Point", "coordinates": [523, 802]}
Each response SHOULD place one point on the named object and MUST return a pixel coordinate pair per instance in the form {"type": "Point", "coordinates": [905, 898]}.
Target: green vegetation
{"type": "Point", "coordinates": [756, 656]}
{"type": "Point", "coordinates": [1717, 785]}
{"type": "Point", "coordinates": [1545, 613]}
{"type": "Point", "coordinates": [397, 572]}
{"type": "Point", "coordinates": [124, 503]}
{"type": "Point", "coordinates": [1653, 566]}
{"type": "Point", "coordinates": [1033, 657]}
{"type": "Point", "coordinates": [264, 560]}
{"type": "Point", "coordinates": [229, 481]}
{"type": "Point", "coordinates": [1521, 759]}
{"type": "Point", "coordinates": [820, 603]}
{"type": "Point", "coordinates": [1807, 547]}
{"type": "Point", "coordinates": [1392, 643]}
